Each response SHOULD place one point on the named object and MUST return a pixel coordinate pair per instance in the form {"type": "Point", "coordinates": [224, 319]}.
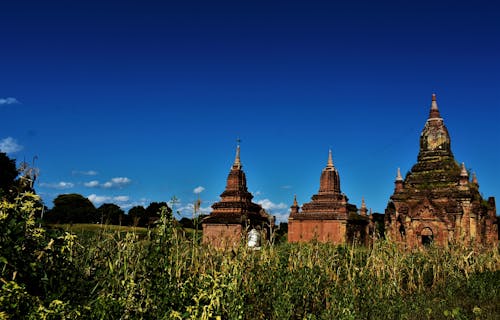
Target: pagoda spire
{"type": "Point", "coordinates": [464, 175]}
{"type": "Point", "coordinates": [363, 209]}
{"type": "Point", "coordinates": [463, 172]}
{"type": "Point", "coordinates": [434, 113]}
{"type": "Point", "coordinates": [399, 177]}
{"type": "Point", "coordinates": [330, 181]}
{"type": "Point", "coordinates": [295, 206]}
{"type": "Point", "coordinates": [237, 161]}
{"type": "Point", "coordinates": [330, 159]}
{"type": "Point", "coordinates": [399, 183]}
{"type": "Point", "coordinates": [474, 178]}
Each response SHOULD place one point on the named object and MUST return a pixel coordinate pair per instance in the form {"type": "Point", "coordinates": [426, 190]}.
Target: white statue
{"type": "Point", "coordinates": [254, 239]}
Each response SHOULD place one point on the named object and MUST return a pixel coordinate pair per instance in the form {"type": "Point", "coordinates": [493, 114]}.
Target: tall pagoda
{"type": "Point", "coordinates": [437, 201]}
{"type": "Point", "coordinates": [235, 214]}
{"type": "Point", "coordinates": [329, 217]}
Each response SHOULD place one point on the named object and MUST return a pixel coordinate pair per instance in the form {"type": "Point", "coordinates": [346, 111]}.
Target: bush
{"type": "Point", "coordinates": [166, 275]}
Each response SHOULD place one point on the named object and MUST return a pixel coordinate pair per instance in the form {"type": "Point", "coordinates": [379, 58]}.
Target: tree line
{"type": "Point", "coordinates": [75, 208]}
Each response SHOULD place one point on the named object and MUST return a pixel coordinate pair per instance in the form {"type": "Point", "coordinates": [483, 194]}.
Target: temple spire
{"type": "Point", "coordinates": [330, 159]}
{"type": "Point", "coordinates": [434, 113]}
{"type": "Point", "coordinates": [295, 206]}
{"type": "Point", "coordinates": [399, 183]}
{"type": "Point", "coordinates": [363, 209]}
{"type": "Point", "coordinates": [237, 161]}
{"type": "Point", "coordinates": [474, 178]}
{"type": "Point", "coordinates": [399, 177]}
{"type": "Point", "coordinates": [463, 172]}
{"type": "Point", "coordinates": [464, 175]}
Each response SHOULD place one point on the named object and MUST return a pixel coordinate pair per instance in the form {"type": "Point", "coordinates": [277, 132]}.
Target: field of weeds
{"type": "Point", "coordinates": [162, 274]}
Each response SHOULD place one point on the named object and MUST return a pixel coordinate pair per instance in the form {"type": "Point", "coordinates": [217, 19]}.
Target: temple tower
{"type": "Point", "coordinates": [436, 202]}
{"type": "Point", "coordinates": [235, 214]}
{"type": "Point", "coordinates": [329, 216]}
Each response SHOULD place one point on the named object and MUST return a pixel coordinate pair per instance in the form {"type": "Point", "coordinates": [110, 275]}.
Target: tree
{"type": "Point", "coordinates": [186, 223]}
{"type": "Point", "coordinates": [72, 208]}
{"type": "Point", "coordinates": [110, 213]}
{"type": "Point", "coordinates": [8, 174]}
{"type": "Point", "coordinates": [137, 216]}
{"type": "Point", "coordinates": [153, 211]}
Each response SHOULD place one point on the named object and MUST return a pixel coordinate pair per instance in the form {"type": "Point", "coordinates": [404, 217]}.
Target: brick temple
{"type": "Point", "coordinates": [235, 214]}
{"type": "Point", "coordinates": [438, 201]}
{"type": "Point", "coordinates": [329, 217]}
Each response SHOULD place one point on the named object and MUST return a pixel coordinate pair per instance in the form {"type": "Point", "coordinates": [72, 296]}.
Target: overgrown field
{"type": "Point", "coordinates": [164, 275]}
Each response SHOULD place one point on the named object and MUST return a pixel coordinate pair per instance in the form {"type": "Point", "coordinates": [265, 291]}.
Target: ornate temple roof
{"type": "Point", "coordinates": [329, 202]}
{"type": "Point", "coordinates": [236, 204]}
{"type": "Point", "coordinates": [436, 172]}
{"type": "Point", "coordinates": [436, 166]}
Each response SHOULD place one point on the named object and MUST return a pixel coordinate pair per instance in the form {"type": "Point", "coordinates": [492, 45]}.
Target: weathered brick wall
{"type": "Point", "coordinates": [333, 231]}
{"type": "Point", "coordinates": [222, 235]}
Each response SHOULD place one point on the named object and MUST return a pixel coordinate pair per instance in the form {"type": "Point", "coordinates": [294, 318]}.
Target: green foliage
{"type": "Point", "coordinates": [72, 208]}
{"type": "Point", "coordinates": [8, 174]}
{"type": "Point", "coordinates": [37, 271]}
{"type": "Point", "coordinates": [110, 213]}
{"type": "Point", "coordinates": [164, 275]}
{"type": "Point", "coordinates": [138, 216]}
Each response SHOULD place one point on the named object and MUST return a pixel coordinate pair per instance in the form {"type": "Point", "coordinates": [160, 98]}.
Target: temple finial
{"type": "Point", "coordinates": [434, 113]}
{"type": "Point", "coordinates": [474, 178]}
{"type": "Point", "coordinates": [330, 159]}
{"type": "Point", "coordinates": [295, 203]}
{"type": "Point", "coordinates": [363, 203]}
{"type": "Point", "coordinates": [399, 177]}
{"type": "Point", "coordinates": [463, 172]}
{"type": "Point", "coordinates": [237, 161]}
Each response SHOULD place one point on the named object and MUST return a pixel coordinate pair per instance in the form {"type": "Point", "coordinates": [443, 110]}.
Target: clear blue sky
{"type": "Point", "coordinates": [138, 101]}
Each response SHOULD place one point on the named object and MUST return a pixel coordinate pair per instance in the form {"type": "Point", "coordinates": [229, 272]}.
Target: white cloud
{"type": "Point", "coordinates": [269, 205]}
{"type": "Point", "coordinates": [96, 199]}
{"type": "Point", "coordinates": [188, 210]}
{"type": "Point", "coordinates": [117, 182]}
{"type": "Point", "coordinates": [281, 217]}
{"type": "Point", "coordinates": [279, 210]}
{"type": "Point", "coordinates": [58, 185]}
{"type": "Point", "coordinates": [10, 145]}
{"type": "Point", "coordinates": [91, 184]}
{"type": "Point", "coordinates": [127, 205]}
{"type": "Point", "coordinates": [9, 100]}
{"type": "Point", "coordinates": [286, 187]}
{"type": "Point", "coordinates": [85, 173]}
{"type": "Point", "coordinates": [198, 190]}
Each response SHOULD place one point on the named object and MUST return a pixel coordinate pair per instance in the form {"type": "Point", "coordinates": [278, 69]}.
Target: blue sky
{"type": "Point", "coordinates": [138, 101]}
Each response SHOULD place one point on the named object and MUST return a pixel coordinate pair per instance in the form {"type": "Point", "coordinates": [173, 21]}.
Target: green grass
{"type": "Point", "coordinates": [89, 227]}
{"type": "Point", "coordinates": [111, 272]}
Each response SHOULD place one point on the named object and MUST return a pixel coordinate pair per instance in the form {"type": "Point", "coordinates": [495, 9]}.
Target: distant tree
{"type": "Point", "coordinates": [186, 223]}
{"type": "Point", "coordinates": [137, 216]}
{"type": "Point", "coordinates": [8, 174]}
{"type": "Point", "coordinates": [72, 208]}
{"type": "Point", "coordinates": [281, 232]}
{"type": "Point", "coordinates": [110, 213]}
{"type": "Point", "coordinates": [153, 211]}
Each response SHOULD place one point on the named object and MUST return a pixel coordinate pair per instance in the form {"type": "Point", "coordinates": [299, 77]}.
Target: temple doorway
{"type": "Point", "coordinates": [427, 236]}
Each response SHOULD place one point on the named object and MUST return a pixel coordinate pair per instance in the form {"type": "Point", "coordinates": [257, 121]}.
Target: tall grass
{"type": "Point", "coordinates": [164, 273]}
{"type": "Point", "coordinates": [170, 276]}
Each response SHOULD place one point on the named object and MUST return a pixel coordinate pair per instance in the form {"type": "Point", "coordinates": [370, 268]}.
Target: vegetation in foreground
{"type": "Point", "coordinates": [53, 274]}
